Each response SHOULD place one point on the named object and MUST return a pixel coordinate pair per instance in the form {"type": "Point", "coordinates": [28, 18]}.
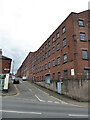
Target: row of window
{"type": "Point", "coordinates": [49, 65]}
{"type": "Point", "coordinates": [82, 35]}
{"type": "Point", "coordinates": [84, 56]}
{"type": "Point", "coordinates": [82, 38]}
{"type": "Point", "coordinates": [86, 75]}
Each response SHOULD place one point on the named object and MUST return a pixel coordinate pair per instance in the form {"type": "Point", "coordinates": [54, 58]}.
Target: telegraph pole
{"type": "Point", "coordinates": [13, 68]}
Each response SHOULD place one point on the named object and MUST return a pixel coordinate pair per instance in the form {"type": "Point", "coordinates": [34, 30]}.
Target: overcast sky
{"type": "Point", "coordinates": [26, 24]}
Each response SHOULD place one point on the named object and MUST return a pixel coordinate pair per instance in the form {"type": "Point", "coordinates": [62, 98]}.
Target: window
{"type": "Point", "coordinates": [64, 42]}
{"type": "Point", "coordinates": [40, 68]}
{"type": "Point", "coordinates": [80, 22]}
{"type": "Point", "coordinates": [40, 59]}
{"type": "Point", "coordinates": [46, 46]}
{"type": "Point", "coordinates": [45, 66]}
{"type": "Point", "coordinates": [49, 53]}
{"type": "Point", "coordinates": [65, 74]}
{"type": "Point", "coordinates": [53, 39]}
{"type": "Point", "coordinates": [45, 55]}
{"type": "Point", "coordinates": [59, 75]}
{"type": "Point", "coordinates": [43, 48]}
{"type": "Point", "coordinates": [58, 60]}
{"type": "Point", "coordinates": [49, 43]}
{"type": "Point", "coordinates": [53, 50]}
{"type": "Point", "coordinates": [42, 77]}
{"type": "Point", "coordinates": [49, 65]}
{"type": "Point", "coordinates": [65, 58]}
{"type": "Point", "coordinates": [53, 63]}
{"type": "Point", "coordinates": [86, 73]}
{"type": "Point", "coordinates": [58, 46]}
{"type": "Point", "coordinates": [58, 35]}
{"type": "Point", "coordinates": [83, 36]}
{"type": "Point", "coordinates": [53, 76]}
{"type": "Point", "coordinates": [89, 24]}
{"type": "Point", "coordinates": [63, 30]}
{"type": "Point", "coordinates": [84, 54]}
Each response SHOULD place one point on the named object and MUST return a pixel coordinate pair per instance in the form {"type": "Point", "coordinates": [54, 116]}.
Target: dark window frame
{"type": "Point", "coordinates": [65, 60]}
{"type": "Point", "coordinates": [82, 36]}
{"type": "Point", "coordinates": [85, 55]}
{"type": "Point", "coordinates": [63, 30]}
{"type": "Point", "coordinates": [80, 24]}
{"type": "Point", "coordinates": [64, 42]}
{"type": "Point", "coordinates": [58, 61]}
{"type": "Point", "coordinates": [57, 35]}
{"type": "Point", "coordinates": [58, 46]}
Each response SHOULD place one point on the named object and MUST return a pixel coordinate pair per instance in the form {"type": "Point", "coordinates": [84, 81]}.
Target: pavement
{"type": "Point", "coordinates": [11, 91]}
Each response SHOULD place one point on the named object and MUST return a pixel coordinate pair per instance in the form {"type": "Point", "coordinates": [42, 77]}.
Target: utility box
{"type": "Point", "coordinates": [4, 82]}
{"type": "Point", "coordinates": [2, 78]}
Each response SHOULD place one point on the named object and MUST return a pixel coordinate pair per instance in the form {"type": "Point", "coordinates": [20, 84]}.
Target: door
{"type": "Point", "coordinates": [59, 87]}
{"type": "Point", "coordinates": [48, 79]}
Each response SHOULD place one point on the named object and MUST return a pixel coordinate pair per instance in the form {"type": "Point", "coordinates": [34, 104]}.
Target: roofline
{"type": "Point", "coordinates": [4, 57]}
{"type": "Point", "coordinates": [61, 24]}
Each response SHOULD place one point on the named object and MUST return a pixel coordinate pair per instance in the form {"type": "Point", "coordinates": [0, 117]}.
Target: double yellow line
{"type": "Point", "coordinates": [61, 100]}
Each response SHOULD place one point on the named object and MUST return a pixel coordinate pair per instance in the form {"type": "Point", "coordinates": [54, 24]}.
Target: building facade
{"type": "Point", "coordinates": [65, 54]}
{"type": "Point", "coordinates": [5, 64]}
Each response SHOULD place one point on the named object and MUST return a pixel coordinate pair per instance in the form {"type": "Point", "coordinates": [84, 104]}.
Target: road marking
{"type": "Point", "coordinates": [18, 92]}
{"type": "Point", "coordinates": [49, 101]}
{"type": "Point", "coordinates": [20, 112]}
{"type": "Point", "coordinates": [56, 102]}
{"type": "Point", "coordinates": [39, 99]}
{"type": "Point", "coordinates": [75, 115]}
{"type": "Point", "coordinates": [62, 102]}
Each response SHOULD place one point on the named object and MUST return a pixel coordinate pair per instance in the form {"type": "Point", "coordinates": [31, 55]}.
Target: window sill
{"type": "Point", "coordinates": [81, 25]}
{"type": "Point", "coordinates": [85, 59]}
{"type": "Point", "coordinates": [63, 33]}
{"type": "Point", "coordinates": [64, 46]}
{"type": "Point", "coordinates": [83, 40]}
{"type": "Point", "coordinates": [65, 62]}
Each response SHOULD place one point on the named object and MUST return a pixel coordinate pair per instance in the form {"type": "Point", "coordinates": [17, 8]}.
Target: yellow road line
{"type": "Point", "coordinates": [18, 92]}
{"type": "Point", "coordinates": [61, 100]}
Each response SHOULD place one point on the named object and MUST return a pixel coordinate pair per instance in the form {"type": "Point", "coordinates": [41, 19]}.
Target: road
{"type": "Point", "coordinates": [31, 102]}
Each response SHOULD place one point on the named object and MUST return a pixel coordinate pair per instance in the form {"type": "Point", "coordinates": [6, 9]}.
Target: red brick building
{"type": "Point", "coordinates": [65, 54]}
{"type": "Point", "coordinates": [5, 64]}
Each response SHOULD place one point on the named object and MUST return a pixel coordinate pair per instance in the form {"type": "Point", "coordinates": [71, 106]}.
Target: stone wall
{"type": "Point", "coordinates": [76, 89]}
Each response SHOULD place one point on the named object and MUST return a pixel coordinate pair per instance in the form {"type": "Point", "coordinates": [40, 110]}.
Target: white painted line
{"type": "Point", "coordinates": [75, 115]}
{"type": "Point", "coordinates": [20, 112]}
{"type": "Point", "coordinates": [56, 102]}
{"type": "Point", "coordinates": [50, 101]}
{"type": "Point", "coordinates": [39, 99]}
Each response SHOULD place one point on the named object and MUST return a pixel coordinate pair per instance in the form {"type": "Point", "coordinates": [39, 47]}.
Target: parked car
{"type": "Point", "coordinates": [16, 81]}
{"type": "Point", "coordinates": [13, 78]}
{"type": "Point", "coordinates": [24, 78]}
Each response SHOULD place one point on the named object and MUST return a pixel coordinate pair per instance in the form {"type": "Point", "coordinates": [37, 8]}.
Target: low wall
{"type": "Point", "coordinates": [76, 89]}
